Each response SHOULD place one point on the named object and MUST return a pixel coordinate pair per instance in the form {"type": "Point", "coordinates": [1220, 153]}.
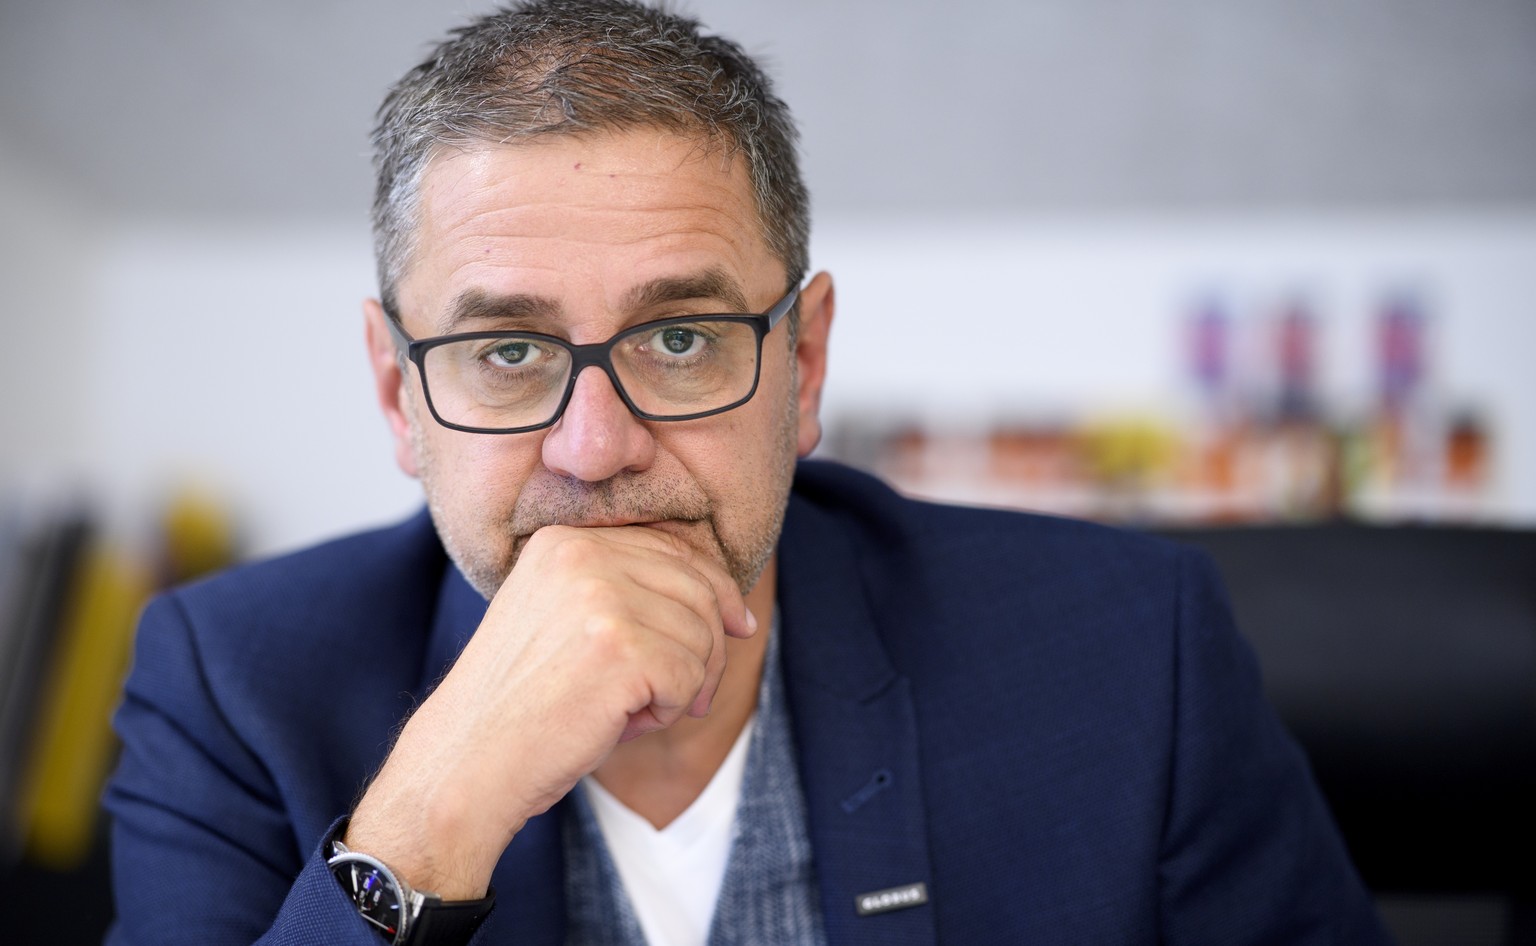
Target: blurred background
{"type": "Point", "coordinates": [1187, 266]}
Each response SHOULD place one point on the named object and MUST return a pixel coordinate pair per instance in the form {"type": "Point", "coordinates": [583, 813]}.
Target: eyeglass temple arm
{"type": "Point", "coordinates": [402, 340]}
{"type": "Point", "coordinates": [781, 308]}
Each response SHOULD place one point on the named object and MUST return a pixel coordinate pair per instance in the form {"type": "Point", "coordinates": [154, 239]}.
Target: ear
{"type": "Point", "coordinates": [817, 302]}
{"type": "Point", "coordinates": [389, 383]}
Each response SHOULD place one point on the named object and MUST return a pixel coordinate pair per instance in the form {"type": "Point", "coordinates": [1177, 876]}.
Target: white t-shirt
{"type": "Point", "coordinates": [673, 876]}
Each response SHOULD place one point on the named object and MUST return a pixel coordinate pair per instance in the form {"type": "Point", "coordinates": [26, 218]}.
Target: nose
{"type": "Point", "coordinates": [597, 437]}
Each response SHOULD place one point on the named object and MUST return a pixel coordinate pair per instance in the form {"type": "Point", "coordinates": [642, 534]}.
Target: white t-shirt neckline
{"type": "Point", "coordinates": [673, 876]}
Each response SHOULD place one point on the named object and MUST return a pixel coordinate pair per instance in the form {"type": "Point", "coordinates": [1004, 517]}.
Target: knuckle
{"type": "Point", "coordinates": [564, 546]}
{"type": "Point", "coordinates": [593, 593]}
{"type": "Point", "coordinates": [608, 636]}
{"type": "Point", "coordinates": [543, 538]}
{"type": "Point", "coordinates": [702, 597]}
{"type": "Point", "coordinates": [699, 667]}
{"type": "Point", "coordinates": [708, 633]}
{"type": "Point", "coordinates": [698, 594]}
{"type": "Point", "coordinates": [684, 680]}
{"type": "Point", "coordinates": [699, 676]}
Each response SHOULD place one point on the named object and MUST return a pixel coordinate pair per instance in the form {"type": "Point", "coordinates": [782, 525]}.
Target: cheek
{"type": "Point", "coordinates": [480, 473]}
{"type": "Point", "coordinates": [739, 439]}
{"type": "Point", "coordinates": [737, 459]}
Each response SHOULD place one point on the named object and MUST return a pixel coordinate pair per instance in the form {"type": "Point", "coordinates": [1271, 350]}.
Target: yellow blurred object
{"type": "Point", "coordinates": [74, 744]}
{"type": "Point", "coordinates": [1129, 452]}
{"type": "Point", "coordinates": [199, 536]}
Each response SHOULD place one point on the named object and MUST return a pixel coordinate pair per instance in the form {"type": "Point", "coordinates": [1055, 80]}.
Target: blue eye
{"type": "Point", "coordinates": [511, 354]}
{"type": "Point", "coordinates": [678, 341]}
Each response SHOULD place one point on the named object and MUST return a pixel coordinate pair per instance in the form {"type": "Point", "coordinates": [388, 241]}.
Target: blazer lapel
{"type": "Point", "coordinates": [856, 731]}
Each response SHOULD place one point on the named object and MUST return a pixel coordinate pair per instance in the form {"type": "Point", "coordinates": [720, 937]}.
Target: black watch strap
{"type": "Point", "coordinates": [449, 922]}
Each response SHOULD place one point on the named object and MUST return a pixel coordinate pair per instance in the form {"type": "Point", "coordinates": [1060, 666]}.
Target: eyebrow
{"type": "Point", "coordinates": [709, 284]}
{"type": "Point", "coordinates": [478, 305]}
{"type": "Point", "coordinates": [542, 313]}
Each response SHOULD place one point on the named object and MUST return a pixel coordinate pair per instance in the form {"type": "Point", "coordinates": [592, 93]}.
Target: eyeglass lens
{"type": "Point", "coordinates": [673, 369]}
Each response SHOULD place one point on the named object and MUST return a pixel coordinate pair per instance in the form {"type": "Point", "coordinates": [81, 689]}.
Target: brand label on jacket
{"type": "Point", "coordinates": [892, 898]}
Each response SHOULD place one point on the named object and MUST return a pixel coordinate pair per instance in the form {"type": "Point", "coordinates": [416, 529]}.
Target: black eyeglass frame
{"type": "Point", "coordinates": [597, 354]}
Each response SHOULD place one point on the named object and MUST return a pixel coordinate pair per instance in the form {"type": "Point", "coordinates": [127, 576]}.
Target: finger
{"type": "Point", "coordinates": [676, 678]}
{"type": "Point", "coordinates": [660, 651]}
{"type": "Point", "coordinates": [694, 620]}
{"type": "Point", "coordinates": [641, 723]}
{"type": "Point", "coordinates": [668, 576]}
{"type": "Point", "coordinates": [714, 672]}
{"type": "Point", "coordinates": [736, 618]}
{"type": "Point", "coordinates": [678, 581]}
{"type": "Point", "coordinates": [656, 561]}
{"type": "Point", "coordinates": [681, 599]}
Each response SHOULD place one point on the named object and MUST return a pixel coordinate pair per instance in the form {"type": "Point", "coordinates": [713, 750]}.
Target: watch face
{"type": "Point", "coordinates": [373, 890]}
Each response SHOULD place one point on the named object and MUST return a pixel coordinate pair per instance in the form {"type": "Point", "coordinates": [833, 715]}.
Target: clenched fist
{"type": "Point", "coordinates": [598, 635]}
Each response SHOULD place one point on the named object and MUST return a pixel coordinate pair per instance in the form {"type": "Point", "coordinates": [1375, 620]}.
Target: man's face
{"type": "Point", "coordinates": [581, 237]}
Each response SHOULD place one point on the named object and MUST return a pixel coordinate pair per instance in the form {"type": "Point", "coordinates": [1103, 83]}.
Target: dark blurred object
{"type": "Point", "coordinates": [69, 601]}
{"type": "Point", "coordinates": [37, 561]}
{"type": "Point", "coordinates": [1404, 662]}
{"type": "Point", "coordinates": [64, 907]}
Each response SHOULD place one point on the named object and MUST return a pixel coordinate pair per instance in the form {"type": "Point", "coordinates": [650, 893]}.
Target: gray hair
{"type": "Point", "coordinates": [561, 67]}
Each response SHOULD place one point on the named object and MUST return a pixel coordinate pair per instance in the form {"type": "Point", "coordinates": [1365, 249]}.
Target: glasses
{"type": "Point", "coordinates": [671, 369]}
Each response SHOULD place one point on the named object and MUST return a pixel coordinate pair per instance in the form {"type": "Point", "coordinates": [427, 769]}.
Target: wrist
{"type": "Point", "coordinates": [425, 849]}
{"type": "Point", "coordinates": [439, 810]}
{"type": "Point", "coordinates": [402, 914]}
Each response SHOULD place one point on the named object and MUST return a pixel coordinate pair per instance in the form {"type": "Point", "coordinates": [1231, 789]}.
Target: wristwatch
{"type": "Point", "coordinates": [404, 916]}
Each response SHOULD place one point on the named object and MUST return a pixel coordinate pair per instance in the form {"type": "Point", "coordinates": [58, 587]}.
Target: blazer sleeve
{"type": "Point", "coordinates": [203, 851]}
{"type": "Point", "coordinates": [1249, 852]}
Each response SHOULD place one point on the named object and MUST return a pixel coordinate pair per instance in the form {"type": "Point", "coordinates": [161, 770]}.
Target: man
{"type": "Point", "coordinates": [640, 679]}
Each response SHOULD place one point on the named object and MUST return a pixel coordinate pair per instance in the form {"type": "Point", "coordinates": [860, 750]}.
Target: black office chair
{"type": "Point", "coordinates": [1404, 662]}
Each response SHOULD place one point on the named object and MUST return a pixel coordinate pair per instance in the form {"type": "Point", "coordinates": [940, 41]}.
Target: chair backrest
{"type": "Point", "coordinates": [1403, 659]}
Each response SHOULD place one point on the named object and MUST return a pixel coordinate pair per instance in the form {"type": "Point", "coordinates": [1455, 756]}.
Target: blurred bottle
{"type": "Point", "coordinates": [1468, 458]}
{"type": "Point", "coordinates": [1403, 457]}
{"type": "Point", "coordinates": [1208, 469]}
{"type": "Point", "coordinates": [1296, 364]}
{"type": "Point", "coordinates": [1209, 364]}
{"type": "Point", "coordinates": [1301, 454]}
{"type": "Point", "coordinates": [1400, 353]}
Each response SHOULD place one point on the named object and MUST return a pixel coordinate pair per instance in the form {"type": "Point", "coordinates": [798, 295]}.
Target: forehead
{"type": "Point", "coordinates": [588, 215]}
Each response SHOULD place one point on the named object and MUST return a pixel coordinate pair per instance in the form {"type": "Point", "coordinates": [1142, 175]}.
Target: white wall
{"type": "Point", "coordinates": [50, 252]}
{"type": "Point", "coordinates": [234, 361]}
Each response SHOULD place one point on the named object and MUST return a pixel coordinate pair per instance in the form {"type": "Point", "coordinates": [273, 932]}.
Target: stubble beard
{"type": "Point", "coordinates": [486, 555]}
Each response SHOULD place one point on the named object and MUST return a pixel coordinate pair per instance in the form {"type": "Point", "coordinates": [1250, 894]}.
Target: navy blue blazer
{"type": "Point", "coordinates": [1053, 725]}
